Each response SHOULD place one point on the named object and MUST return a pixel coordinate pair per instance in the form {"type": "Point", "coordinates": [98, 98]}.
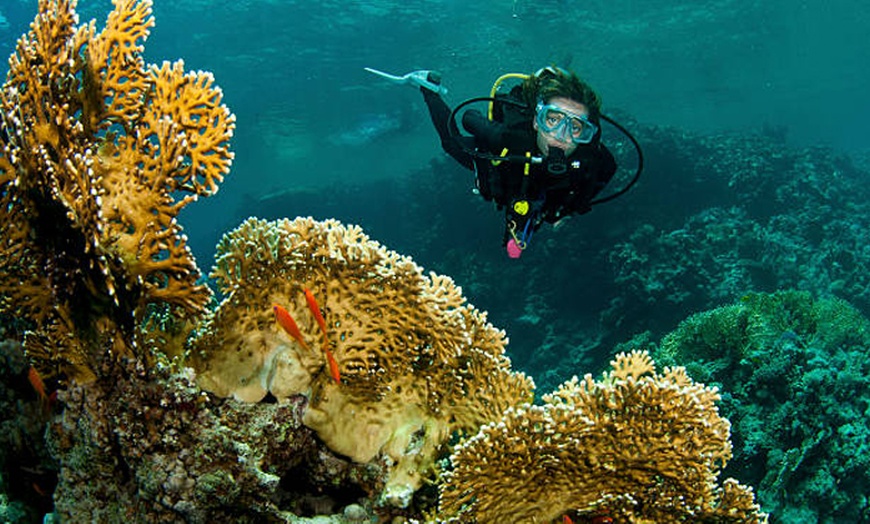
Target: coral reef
{"type": "Point", "coordinates": [416, 362]}
{"type": "Point", "coordinates": [797, 376]}
{"type": "Point", "coordinates": [152, 447]}
{"type": "Point", "coordinates": [149, 445]}
{"type": "Point", "coordinates": [637, 446]}
{"type": "Point", "coordinates": [749, 214]}
{"type": "Point", "coordinates": [99, 154]}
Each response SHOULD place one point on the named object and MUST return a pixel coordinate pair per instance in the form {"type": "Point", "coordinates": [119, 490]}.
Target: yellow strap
{"type": "Point", "coordinates": [504, 153]}
{"type": "Point", "coordinates": [526, 168]}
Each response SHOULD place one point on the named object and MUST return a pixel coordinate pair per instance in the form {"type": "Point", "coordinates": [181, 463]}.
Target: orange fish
{"type": "Point", "coordinates": [318, 316]}
{"type": "Point", "coordinates": [567, 520]}
{"type": "Point", "coordinates": [37, 488]}
{"type": "Point", "coordinates": [282, 316]}
{"type": "Point", "coordinates": [37, 383]}
{"type": "Point", "coordinates": [333, 365]}
{"type": "Point", "coordinates": [315, 310]}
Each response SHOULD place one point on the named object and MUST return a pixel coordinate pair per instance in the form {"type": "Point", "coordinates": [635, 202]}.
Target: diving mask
{"type": "Point", "coordinates": [564, 125]}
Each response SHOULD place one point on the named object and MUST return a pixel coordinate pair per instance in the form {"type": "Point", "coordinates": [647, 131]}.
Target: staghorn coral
{"type": "Point", "coordinates": [638, 446]}
{"type": "Point", "coordinates": [416, 361]}
{"type": "Point", "coordinates": [98, 155]}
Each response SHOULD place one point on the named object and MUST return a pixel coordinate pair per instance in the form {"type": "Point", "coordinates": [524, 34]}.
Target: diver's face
{"type": "Point", "coordinates": [547, 140]}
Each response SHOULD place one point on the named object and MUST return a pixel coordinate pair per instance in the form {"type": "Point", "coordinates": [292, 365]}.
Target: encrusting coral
{"type": "Point", "coordinates": [98, 155]}
{"type": "Point", "coordinates": [415, 361]}
{"type": "Point", "coordinates": [637, 446]}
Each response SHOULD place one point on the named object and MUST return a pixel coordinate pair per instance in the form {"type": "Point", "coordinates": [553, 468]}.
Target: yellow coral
{"type": "Point", "coordinates": [100, 154]}
{"type": "Point", "coordinates": [638, 446]}
{"type": "Point", "coordinates": [416, 361]}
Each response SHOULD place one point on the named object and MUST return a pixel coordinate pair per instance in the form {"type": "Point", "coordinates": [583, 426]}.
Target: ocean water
{"type": "Point", "coordinates": [292, 72]}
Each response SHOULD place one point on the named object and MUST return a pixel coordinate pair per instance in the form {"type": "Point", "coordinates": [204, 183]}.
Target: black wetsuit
{"type": "Point", "coordinates": [551, 196]}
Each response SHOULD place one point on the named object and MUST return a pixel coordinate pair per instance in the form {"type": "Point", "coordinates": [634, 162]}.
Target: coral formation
{"type": "Point", "coordinates": [797, 377]}
{"type": "Point", "coordinates": [416, 362]}
{"type": "Point", "coordinates": [152, 447]}
{"type": "Point", "coordinates": [749, 214]}
{"type": "Point", "coordinates": [99, 154]}
{"type": "Point", "coordinates": [637, 446]}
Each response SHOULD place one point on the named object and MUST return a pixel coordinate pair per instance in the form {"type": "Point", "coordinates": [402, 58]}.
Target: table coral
{"type": "Point", "coordinates": [99, 153]}
{"type": "Point", "coordinates": [638, 446]}
{"type": "Point", "coordinates": [416, 362]}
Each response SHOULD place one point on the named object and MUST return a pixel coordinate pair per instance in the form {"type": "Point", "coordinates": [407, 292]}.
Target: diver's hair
{"type": "Point", "coordinates": [554, 81]}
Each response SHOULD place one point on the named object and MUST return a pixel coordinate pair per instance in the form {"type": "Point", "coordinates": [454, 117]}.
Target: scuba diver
{"type": "Point", "coordinates": [537, 153]}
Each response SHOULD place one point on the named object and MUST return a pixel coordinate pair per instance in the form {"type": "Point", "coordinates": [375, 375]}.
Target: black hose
{"type": "Point", "coordinates": [637, 173]}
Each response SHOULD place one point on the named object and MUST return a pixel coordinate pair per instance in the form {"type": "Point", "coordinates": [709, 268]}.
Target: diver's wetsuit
{"type": "Point", "coordinates": [551, 196]}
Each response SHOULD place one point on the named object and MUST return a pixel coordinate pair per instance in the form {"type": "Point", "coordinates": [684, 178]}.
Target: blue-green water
{"type": "Point", "coordinates": [293, 72]}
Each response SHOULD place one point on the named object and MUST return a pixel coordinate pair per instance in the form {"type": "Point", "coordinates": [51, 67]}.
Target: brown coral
{"type": "Point", "coordinates": [416, 361]}
{"type": "Point", "coordinates": [100, 152]}
{"type": "Point", "coordinates": [638, 446]}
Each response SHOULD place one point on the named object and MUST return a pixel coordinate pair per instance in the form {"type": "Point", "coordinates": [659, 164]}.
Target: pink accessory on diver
{"type": "Point", "coordinates": [513, 250]}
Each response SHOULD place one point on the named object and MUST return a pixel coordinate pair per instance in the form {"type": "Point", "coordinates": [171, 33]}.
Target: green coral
{"type": "Point", "coordinates": [797, 382]}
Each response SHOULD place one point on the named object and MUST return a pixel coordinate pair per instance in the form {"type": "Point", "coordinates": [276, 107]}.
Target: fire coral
{"type": "Point", "coordinates": [99, 153]}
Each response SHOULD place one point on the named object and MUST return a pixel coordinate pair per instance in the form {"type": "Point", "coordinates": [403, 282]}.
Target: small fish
{"type": "Point", "coordinates": [37, 383]}
{"type": "Point", "coordinates": [315, 310]}
{"type": "Point", "coordinates": [282, 316]}
{"type": "Point", "coordinates": [567, 520]}
{"type": "Point", "coordinates": [46, 402]}
{"type": "Point", "coordinates": [37, 488]}
{"type": "Point", "coordinates": [333, 365]}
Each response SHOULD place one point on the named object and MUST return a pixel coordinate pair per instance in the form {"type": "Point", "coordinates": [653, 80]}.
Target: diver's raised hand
{"type": "Point", "coordinates": [423, 78]}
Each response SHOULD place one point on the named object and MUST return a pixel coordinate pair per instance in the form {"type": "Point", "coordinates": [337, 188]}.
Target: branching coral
{"type": "Point", "coordinates": [99, 154]}
{"type": "Point", "coordinates": [638, 446]}
{"type": "Point", "coordinates": [416, 361]}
